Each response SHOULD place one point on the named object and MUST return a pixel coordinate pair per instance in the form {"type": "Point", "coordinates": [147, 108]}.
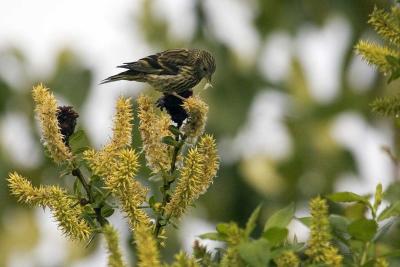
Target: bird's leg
{"type": "Point", "coordinates": [178, 96]}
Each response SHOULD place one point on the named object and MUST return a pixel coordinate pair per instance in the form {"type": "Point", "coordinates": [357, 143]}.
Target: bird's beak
{"type": "Point", "coordinates": [208, 84]}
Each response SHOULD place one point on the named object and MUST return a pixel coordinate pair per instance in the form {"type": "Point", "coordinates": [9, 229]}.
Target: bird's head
{"type": "Point", "coordinates": [206, 65]}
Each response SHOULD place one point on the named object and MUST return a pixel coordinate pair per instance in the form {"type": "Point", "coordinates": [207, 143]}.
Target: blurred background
{"type": "Point", "coordinates": [289, 107]}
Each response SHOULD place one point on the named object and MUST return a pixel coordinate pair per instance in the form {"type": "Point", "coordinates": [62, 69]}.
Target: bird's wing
{"type": "Point", "coordinates": [168, 62]}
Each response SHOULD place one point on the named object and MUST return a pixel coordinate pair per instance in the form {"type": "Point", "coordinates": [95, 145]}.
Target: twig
{"type": "Point", "coordinates": [167, 185]}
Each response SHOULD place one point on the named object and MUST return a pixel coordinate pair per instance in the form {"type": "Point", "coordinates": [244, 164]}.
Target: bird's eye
{"type": "Point", "coordinates": [204, 69]}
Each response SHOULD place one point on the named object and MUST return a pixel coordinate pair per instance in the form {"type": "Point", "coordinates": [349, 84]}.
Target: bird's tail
{"type": "Point", "coordinates": [129, 75]}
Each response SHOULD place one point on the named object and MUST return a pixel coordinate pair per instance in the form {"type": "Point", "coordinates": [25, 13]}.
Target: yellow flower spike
{"type": "Point", "coordinates": [153, 128]}
{"type": "Point", "coordinates": [183, 260]}
{"type": "Point", "coordinates": [200, 167]}
{"type": "Point", "coordinates": [386, 24]}
{"type": "Point", "coordinates": [332, 257]}
{"type": "Point", "coordinates": [381, 262]}
{"type": "Point", "coordinates": [375, 55]}
{"type": "Point", "coordinates": [189, 185]}
{"type": "Point", "coordinates": [23, 190]}
{"type": "Point", "coordinates": [122, 129]}
{"type": "Point", "coordinates": [114, 252]}
{"type": "Point", "coordinates": [287, 259]}
{"type": "Point", "coordinates": [46, 112]}
{"type": "Point", "coordinates": [197, 116]}
{"type": "Point", "coordinates": [54, 197]}
{"type": "Point", "coordinates": [319, 248]}
{"type": "Point", "coordinates": [148, 254]}
{"type": "Point", "coordinates": [130, 192]}
{"type": "Point", "coordinates": [208, 149]}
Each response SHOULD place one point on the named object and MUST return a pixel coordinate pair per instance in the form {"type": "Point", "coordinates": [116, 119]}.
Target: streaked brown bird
{"type": "Point", "coordinates": [170, 72]}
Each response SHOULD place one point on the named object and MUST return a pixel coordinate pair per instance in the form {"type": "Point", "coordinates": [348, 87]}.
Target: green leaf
{"type": "Point", "coordinates": [152, 201]}
{"type": "Point", "coordinates": [169, 140]}
{"type": "Point", "coordinates": [106, 211]}
{"type": "Point", "coordinates": [393, 253]}
{"type": "Point", "coordinates": [276, 235]}
{"type": "Point", "coordinates": [281, 218]}
{"type": "Point", "coordinates": [305, 220]}
{"type": "Point", "coordinates": [252, 221]}
{"type": "Point", "coordinates": [174, 130]}
{"type": "Point", "coordinates": [392, 60]}
{"type": "Point", "coordinates": [339, 222]}
{"type": "Point", "coordinates": [78, 142]}
{"type": "Point", "coordinates": [256, 253]}
{"type": "Point", "coordinates": [155, 178]}
{"type": "Point", "coordinates": [213, 236]}
{"type": "Point", "coordinates": [392, 193]}
{"type": "Point", "coordinates": [392, 210]}
{"type": "Point", "coordinates": [77, 188]}
{"type": "Point", "coordinates": [363, 229]}
{"type": "Point", "coordinates": [383, 230]}
{"type": "Point", "coordinates": [347, 197]}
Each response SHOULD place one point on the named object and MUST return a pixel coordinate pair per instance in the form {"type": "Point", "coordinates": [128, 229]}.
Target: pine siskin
{"type": "Point", "coordinates": [170, 72]}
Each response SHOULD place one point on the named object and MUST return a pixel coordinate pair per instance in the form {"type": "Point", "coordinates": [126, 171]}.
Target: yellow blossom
{"type": "Point", "coordinates": [287, 259]}
{"type": "Point", "coordinates": [122, 129]}
{"type": "Point", "coordinates": [189, 186]}
{"type": "Point", "coordinates": [319, 248]}
{"type": "Point", "coordinates": [46, 112]}
{"type": "Point", "coordinates": [153, 128]}
{"type": "Point", "coordinates": [183, 260]}
{"type": "Point", "coordinates": [148, 254]}
{"type": "Point", "coordinates": [376, 55]}
{"type": "Point", "coordinates": [199, 169]}
{"type": "Point", "coordinates": [130, 192]}
{"type": "Point", "coordinates": [208, 150]}
{"type": "Point", "coordinates": [387, 24]}
{"type": "Point", "coordinates": [99, 161]}
{"type": "Point", "coordinates": [197, 116]}
{"type": "Point", "coordinates": [60, 203]}
{"type": "Point", "coordinates": [114, 252]}
{"type": "Point", "coordinates": [381, 262]}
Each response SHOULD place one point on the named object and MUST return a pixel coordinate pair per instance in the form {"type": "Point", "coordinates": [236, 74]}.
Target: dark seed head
{"type": "Point", "coordinates": [66, 117]}
{"type": "Point", "coordinates": [173, 105]}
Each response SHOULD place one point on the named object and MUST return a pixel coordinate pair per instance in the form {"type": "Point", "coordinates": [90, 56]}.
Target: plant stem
{"type": "Point", "coordinates": [365, 254]}
{"type": "Point", "coordinates": [167, 185]}
{"type": "Point", "coordinates": [78, 174]}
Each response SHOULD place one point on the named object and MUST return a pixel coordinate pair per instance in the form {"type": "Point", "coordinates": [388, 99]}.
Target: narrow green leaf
{"type": "Point", "coordinates": [383, 230]}
{"type": "Point", "coordinates": [155, 178]}
{"type": "Point", "coordinates": [252, 221]}
{"type": "Point", "coordinates": [78, 142]}
{"type": "Point", "coordinates": [363, 229]}
{"type": "Point", "coordinates": [213, 236]}
{"type": "Point", "coordinates": [107, 211]}
{"type": "Point", "coordinates": [347, 197]}
{"type": "Point", "coordinates": [174, 130]}
{"type": "Point", "coordinates": [392, 210]}
{"type": "Point", "coordinates": [275, 235]}
{"type": "Point", "coordinates": [281, 218]}
{"type": "Point", "coordinates": [305, 220]}
{"type": "Point", "coordinates": [169, 140]}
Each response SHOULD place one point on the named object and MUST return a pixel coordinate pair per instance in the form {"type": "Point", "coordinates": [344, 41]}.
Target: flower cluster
{"type": "Point", "coordinates": [153, 127]}
{"type": "Point", "coordinates": [199, 169]}
{"type": "Point", "coordinates": [320, 249]}
{"type": "Point", "coordinates": [114, 252]}
{"type": "Point", "coordinates": [46, 111]}
{"type": "Point", "coordinates": [287, 259]}
{"type": "Point", "coordinates": [60, 203]}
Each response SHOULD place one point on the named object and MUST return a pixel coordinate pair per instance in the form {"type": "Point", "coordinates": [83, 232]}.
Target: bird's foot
{"type": "Point", "coordinates": [178, 96]}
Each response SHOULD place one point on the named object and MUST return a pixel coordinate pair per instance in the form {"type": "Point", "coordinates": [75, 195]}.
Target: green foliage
{"type": "Point", "coordinates": [385, 57]}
